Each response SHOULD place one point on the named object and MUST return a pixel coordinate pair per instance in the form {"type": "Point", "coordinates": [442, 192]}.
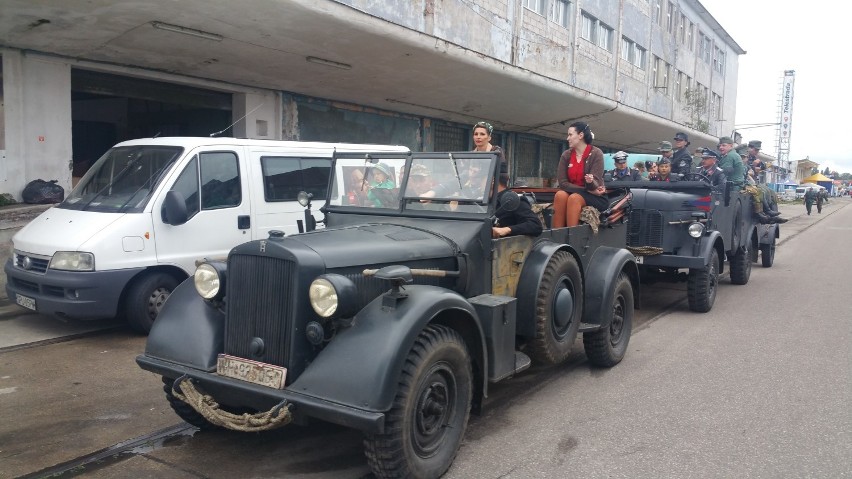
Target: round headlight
{"type": "Point", "coordinates": [207, 281]}
{"type": "Point", "coordinates": [323, 297]}
{"type": "Point", "coordinates": [304, 198]}
{"type": "Point", "coordinates": [696, 230]}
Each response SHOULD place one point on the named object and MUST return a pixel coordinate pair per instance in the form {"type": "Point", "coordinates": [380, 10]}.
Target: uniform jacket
{"type": "Point", "coordinates": [626, 174]}
{"type": "Point", "coordinates": [733, 167]}
{"type": "Point", "coordinates": [681, 161]}
{"type": "Point", "coordinates": [522, 221]}
{"type": "Point", "coordinates": [716, 175]}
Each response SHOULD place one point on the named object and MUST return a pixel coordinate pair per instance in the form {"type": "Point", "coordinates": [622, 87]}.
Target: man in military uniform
{"type": "Point", "coordinates": [709, 169]}
{"type": "Point", "coordinates": [730, 162]}
{"type": "Point", "coordinates": [753, 161]}
{"type": "Point", "coordinates": [681, 158]}
{"type": "Point", "coordinates": [622, 172]}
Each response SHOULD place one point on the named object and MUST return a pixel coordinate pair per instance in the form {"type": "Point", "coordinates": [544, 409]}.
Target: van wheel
{"type": "Point", "coordinates": [607, 346]}
{"type": "Point", "coordinates": [426, 423]}
{"type": "Point", "coordinates": [701, 285]}
{"type": "Point", "coordinates": [145, 298]}
{"type": "Point", "coordinates": [558, 306]}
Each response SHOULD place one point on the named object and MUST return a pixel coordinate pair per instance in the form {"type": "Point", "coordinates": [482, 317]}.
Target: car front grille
{"type": "Point", "coordinates": [260, 305]}
{"type": "Point", "coordinates": [31, 263]}
{"type": "Point", "coordinates": [645, 228]}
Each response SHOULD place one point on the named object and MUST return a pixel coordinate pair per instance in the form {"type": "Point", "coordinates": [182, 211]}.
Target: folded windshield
{"type": "Point", "coordinates": [123, 179]}
{"type": "Point", "coordinates": [458, 182]}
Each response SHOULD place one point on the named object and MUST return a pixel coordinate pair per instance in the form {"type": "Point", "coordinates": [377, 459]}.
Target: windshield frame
{"type": "Point", "coordinates": [116, 169]}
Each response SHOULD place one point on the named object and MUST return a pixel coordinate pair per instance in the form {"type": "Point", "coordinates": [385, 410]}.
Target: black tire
{"type": "Point", "coordinates": [184, 410]}
{"type": "Point", "coordinates": [607, 347]}
{"type": "Point", "coordinates": [145, 298]}
{"type": "Point", "coordinates": [558, 309]}
{"type": "Point", "coordinates": [767, 254]}
{"type": "Point", "coordinates": [741, 266]}
{"type": "Point", "coordinates": [425, 426]}
{"type": "Point", "coordinates": [701, 285]}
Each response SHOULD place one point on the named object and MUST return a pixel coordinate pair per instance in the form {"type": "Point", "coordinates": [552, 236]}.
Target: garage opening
{"type": "Point", "coordinates": [107, 109]}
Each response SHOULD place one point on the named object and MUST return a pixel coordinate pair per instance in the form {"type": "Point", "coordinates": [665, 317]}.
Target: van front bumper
{"type": "Point", "coordinates": [70, 294]}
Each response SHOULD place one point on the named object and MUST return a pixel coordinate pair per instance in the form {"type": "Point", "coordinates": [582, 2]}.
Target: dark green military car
{"type": "Point", "coordinates": [394, 318]}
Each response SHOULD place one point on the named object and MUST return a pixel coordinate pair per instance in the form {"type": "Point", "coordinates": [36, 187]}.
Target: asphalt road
{"type": "Point", "coordinates": [758, 387]}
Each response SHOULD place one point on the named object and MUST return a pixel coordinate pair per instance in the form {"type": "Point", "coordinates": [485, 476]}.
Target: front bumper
{"type": "Point", "coordinates": [70, 294]}
{"type": "Point", "coordinates": [673, 261]}
{"type": "Point", "coordinates": [233, 392]}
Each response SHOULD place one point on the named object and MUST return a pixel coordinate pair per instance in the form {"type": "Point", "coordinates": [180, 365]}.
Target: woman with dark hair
{"type": "Point", "coordinates": [482, 139]}
{"type": "Point", "coordinates": [580, 175]}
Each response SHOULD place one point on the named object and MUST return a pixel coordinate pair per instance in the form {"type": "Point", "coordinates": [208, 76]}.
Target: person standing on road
{"type": "Point", "coordinates": [819, 198]}
{"type": "Point", "coordinates": [810, 197]}
{"type": "Point", "coordinates": [730, 162]}
{"type": "Point", "coordinates": [681, 158]}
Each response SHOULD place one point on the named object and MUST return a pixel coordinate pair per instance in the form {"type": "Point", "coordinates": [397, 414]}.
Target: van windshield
{"type": "Point", "coordinates": [122, 180]}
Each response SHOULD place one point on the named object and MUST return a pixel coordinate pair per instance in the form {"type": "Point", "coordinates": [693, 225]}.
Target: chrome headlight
{"type": "Point", "coordinates": [696, 230]}
{"type": "Point", "coordinates": [333, 295]}
{"type": "Point", "coordinates": [209, 279]}
{"type": "Point", "coordinates": [72, 261]}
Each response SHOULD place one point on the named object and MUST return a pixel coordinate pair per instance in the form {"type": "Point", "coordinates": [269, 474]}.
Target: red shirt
{"type": "Point", "coordinates": [576, 170]}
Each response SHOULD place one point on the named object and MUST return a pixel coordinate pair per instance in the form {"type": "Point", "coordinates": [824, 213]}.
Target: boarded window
{"type": "Point", "coordinates": [451, 138]}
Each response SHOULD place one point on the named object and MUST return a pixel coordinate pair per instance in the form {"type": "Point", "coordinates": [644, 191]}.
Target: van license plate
{"type": "Point", "coordinates": [251, 371]}
{"type": "Point", "coordinates": [25, 301]}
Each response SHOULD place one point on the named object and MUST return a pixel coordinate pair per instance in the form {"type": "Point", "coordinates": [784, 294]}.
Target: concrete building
{"type": "Point", "coordinates": [78, 76]}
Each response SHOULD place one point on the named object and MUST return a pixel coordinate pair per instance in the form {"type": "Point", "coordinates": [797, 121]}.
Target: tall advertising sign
{"type": "Point", "coordinates": [786, 119]}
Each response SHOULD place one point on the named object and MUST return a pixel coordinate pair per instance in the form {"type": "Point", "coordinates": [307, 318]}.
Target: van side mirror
{"type": "Point", "coordinates": [174, 209]}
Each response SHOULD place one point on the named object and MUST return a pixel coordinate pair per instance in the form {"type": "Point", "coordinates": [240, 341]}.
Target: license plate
{"type": "Point", "coordinates": [251, 371]}
{"type": "Point", "coordinates": [640, 259]}
{"type": "Point", "coordinates": [25, 301]}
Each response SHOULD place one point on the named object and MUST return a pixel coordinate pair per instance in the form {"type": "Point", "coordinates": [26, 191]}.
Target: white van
{"type": "Point", "coordinates": [111, 250]}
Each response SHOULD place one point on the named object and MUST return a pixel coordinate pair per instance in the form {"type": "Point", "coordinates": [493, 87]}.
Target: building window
{"type": "Point", "coordinates": [596, 32]}
{"type": "Point", "coordinates": [605, 37]}
{"type": "Point", "coordinates": [719, 61]}
{"type": "Point", "coordinates": [535, 5]}
{"type": "Point", "coordinates": [661, 74]}
{"type": "Point", "coordinates": [716, 106]}
{"type": "Point", "coordinates": [670, 14]}
{"type": "Point", "coordinates": [689, 34]}
{"type": "Point", "coordinates": [560, 11]}
{"type": "Point", "coordinates": [681, 29]}
{"type": "Point", "coordinates": [708, 50]}
{"type": "Point", "coordinates": [588, 31]}
{"type": "Point", "coordinates": [687, 85]}
{"type": "Point", "coordinates": [632, 53]}
{"type": "Point", "coordinates": [658, 12]}
{"type": "Point", "coordinates": [678, 84]}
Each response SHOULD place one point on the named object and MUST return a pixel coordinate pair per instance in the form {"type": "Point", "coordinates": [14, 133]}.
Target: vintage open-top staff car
{"type": "Point", "coordinates": [394, 318]}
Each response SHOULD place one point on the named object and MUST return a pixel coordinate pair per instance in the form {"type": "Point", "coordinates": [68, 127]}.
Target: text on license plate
{"type": "Point", "coordinates": [25, 301]}
{"type": "Point", "coordinates": [640, 259]}
{"type": "Point", "coordinates": [251, 371]}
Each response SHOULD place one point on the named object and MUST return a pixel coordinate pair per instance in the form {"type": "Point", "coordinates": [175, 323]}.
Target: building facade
{"type": "Point", "coordinates": [78, 77]}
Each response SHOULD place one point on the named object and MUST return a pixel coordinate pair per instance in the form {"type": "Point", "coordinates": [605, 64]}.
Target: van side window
{"type": "Point", "coordinates": [285, 177]}
{"type": "Point", "coordinates": [220, 182]}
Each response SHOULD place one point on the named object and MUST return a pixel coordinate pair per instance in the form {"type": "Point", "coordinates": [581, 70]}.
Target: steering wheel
{"type": "Point", "coordinates": [695, 176]}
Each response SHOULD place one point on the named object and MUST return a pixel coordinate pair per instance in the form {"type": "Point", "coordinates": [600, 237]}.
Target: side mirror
{"type": "Point", "coordinates": [174, 210]}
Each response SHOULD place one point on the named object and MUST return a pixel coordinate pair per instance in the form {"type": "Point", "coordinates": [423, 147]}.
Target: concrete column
{"type": "Point", "coordinates": [37, 99]}
{"type": "Point", "coordinates": [257, 115]}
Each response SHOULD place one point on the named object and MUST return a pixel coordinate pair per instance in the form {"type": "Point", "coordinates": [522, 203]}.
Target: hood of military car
{"type": "Point", "coordinates": [376, 243]}
{"type": "Point", "coordinates": [668, 200]}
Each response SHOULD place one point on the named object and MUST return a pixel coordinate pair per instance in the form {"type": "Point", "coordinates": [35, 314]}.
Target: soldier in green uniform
{"type": "Point", "coordinates": [730, 162]}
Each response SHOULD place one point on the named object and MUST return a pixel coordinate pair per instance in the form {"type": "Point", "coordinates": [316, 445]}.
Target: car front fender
{"type": "Point", "coordinates": [602, 274]}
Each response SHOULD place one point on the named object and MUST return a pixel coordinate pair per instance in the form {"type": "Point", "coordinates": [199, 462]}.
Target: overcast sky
{"type": "Point", "coordinates": [811, 38]}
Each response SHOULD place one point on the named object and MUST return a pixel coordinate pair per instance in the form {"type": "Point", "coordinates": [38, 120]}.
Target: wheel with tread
{"type": "Point", "coordinates": [702, 283]}
{"type": "Point", "coordinates": [426, 423]}
{"type": "Point", "coordinates": [607, 347]}
{"type": "Point", "coordinates": [741, 266]}
{"type": "Point", "coordinates": [145, 297]}
{"type": "Point", "coordinates": [184, 410]}
{"type": "Point", "coordinates": [767, 254]}
{"type": "Point", "coordinates": [558, 307]}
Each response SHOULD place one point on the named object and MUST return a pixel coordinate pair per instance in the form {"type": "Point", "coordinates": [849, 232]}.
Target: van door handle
{"type": "Point", "coordinates": [244, 222]}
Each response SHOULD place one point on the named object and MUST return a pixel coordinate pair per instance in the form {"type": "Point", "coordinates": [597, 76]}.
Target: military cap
{"type": "Point", "coordinates": [708, 153]}
{"type": "Point", "coordinates": [742, 150]}
{"type": "Point", "coordinates": [665, 146]}
{"type": "Point", "coordinates": [620, 157]}
{"type": "Point", "coordinates": [726, 140]}
{"type": "Point", "coordinates": [754, 144]}
{"type": "Point", "coordinates": [664, 161]}
{"type": "Point", "coordinates": [419, 170]}
{"type": "Point", "coordinates": [681, 136]}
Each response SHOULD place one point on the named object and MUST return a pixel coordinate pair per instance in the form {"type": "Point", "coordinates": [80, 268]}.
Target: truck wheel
{"type": "Point", "coordinates": [184, 410]}
{"type": "Point", "coordinates": [606, 347]}
{"type": "Point", "coordinates": [145, 298]}
{"type": "Point", "coordinates": [558, 307]}
{"type": "Point", "coordinates": [741, 265]}
{"type": "Point", "coordinates": [426, 423]}
{"type": "Point", "coordinates": [701, 285]}
{"type": "Point", "coordinates": [767, 254]}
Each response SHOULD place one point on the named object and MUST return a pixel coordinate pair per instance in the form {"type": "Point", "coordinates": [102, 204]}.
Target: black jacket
{"type": "Point", "coordinates": [522, 221]}
{"type": "Point", "coordinates": [629, 174]}
{"type": "Point", "coordinates": [716, 175]}
{"type": "Point", "coordinates": [681, 161]}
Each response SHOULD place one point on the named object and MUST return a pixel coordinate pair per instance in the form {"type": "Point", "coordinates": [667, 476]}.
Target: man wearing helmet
{"type": "Point", "coordinates": [681, 159]}
{"type": "Point", "coordinates": [622, 172]}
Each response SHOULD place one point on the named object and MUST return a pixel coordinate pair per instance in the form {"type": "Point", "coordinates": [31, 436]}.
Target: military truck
{"type": "Point", "coordinates": [684, 230]}
{"type": "Point", "coordinates": [397, 316]}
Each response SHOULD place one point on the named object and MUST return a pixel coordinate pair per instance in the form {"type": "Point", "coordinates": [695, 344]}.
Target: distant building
{"type": "Point", "coordinates": [79, 76]}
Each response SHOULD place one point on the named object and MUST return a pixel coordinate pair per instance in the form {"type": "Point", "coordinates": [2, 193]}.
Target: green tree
{"type": "Point", "coordinates": [827, 172]}
{"type": "Point", "coordinates": [695, 107]}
